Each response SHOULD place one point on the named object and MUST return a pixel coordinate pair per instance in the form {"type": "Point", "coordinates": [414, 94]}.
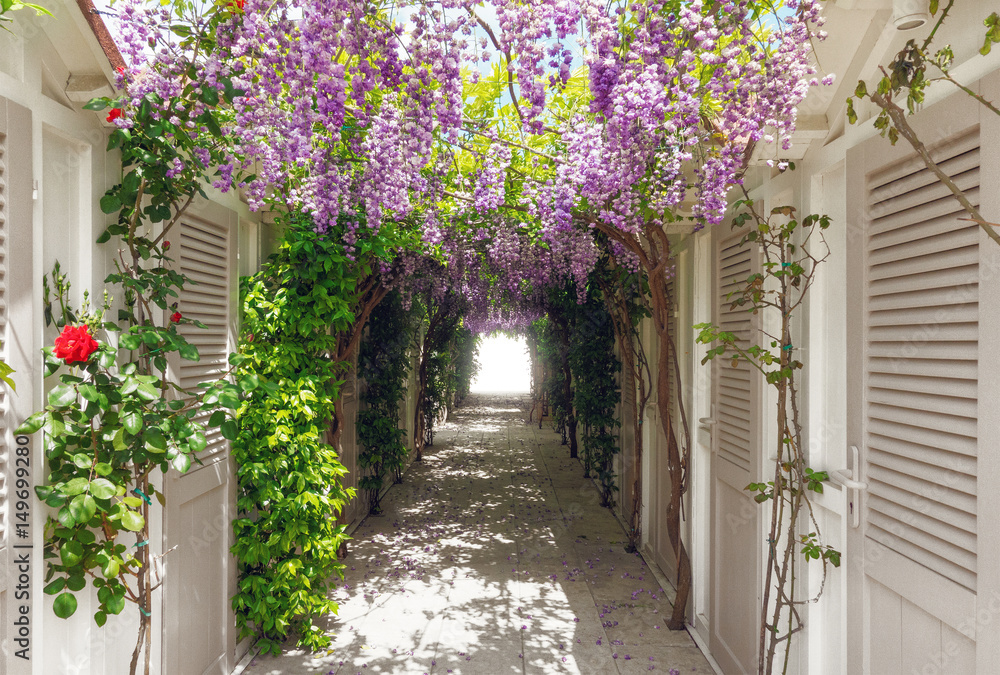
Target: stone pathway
{"type": "Point", "coordinates": [494, 556]}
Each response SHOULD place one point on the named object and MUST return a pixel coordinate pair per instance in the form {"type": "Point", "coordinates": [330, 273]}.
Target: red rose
{"type": "Point", "coordinates": [175, 317]}
{"type": "Point", "coordinates": [75, 344]}
{"type": "Point", "coordinates": [166, 245]}
{"type": "Point", "coordinates": [115, 114]}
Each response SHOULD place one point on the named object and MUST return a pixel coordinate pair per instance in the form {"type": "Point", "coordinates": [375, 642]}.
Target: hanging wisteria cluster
{"type": "Point", "coordinates": [676, 108]}
{"type": "Point", "coordinates": [339, 108]}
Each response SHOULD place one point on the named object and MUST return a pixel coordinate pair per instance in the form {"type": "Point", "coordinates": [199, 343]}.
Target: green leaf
{"type": "Point", "coordinates": [111, 203]}
{"type": "Point", "coordinates": [148, 392]}
{"type": "Point", "coordinates": [116, 604]}
{"type": "Point", "coordinates": [77, 582]}
{"type": "Point", "coordinates": [181, 462]}
{"type": "Point", "coordinates": [189, 352]}
{"type": "Point", "coordinates": [130, 341]}
{"type": "Point", "coordinates": [71, 553]}
{"type": "Point", "coordinates": [154, 440]}
{"type": "Point", "coordinates": [118, 441]}
{"type": "Point", "coordinates": [65, 605]}
{"type": "Point", "coordinates": [100, 618]}
{"type": "Point", "coordinates": [32, 424]}
{"type": "Point", "coordinates": [62, 395]}
{"type": "Point", "coordinates": [65, 517]}
{"type": "Point", "coordinates": [97, 103]}
{"type": "Point", "coordinates": [217, 418]}
{"type": "Point", "coordinates": [75, 486]}
{"type": "Point", "coordinates": [89, 392]}
{"type": "Point", "coordinates": [54, 586]}
{"type": "Point", "coordinates": [229, 429]}
{"type": "Point", "coordinates": [103, 468]}
{"type": "Point", "coordinates": [132, 420]}
{"type": "Point", "coordinates": [197, 442]}
{"type": "Point", "coordinates": [132, 521]}
{"type": "Point", "coordinates": [83, 508]}
{"type": "Point", "coordinates": [110, 569]}
{"type": "Point", "coordinates": [249, 382]}
{"type": "Point", "coordinates": [102, 488]}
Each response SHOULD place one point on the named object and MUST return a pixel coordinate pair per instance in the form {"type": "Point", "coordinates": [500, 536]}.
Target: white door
{"type": "Point", "coordinates": [200, 577]}
{"type": "Point", "coordinates": [735, 538]}
{"type": "Point", "coordinates": [922, 410]}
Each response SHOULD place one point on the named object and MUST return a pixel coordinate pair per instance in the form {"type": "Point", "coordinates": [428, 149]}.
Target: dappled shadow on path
{"type": "Point", "coordinates": [494, 556]}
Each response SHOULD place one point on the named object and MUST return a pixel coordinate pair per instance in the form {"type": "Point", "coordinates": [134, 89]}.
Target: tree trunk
{"type": "Point", "coordinates": [675, 464]}
{"type": "Point", "coordinates": [336, 433]}
{"type": "Point", "coordinates": [144, 587]}
{"type": "Point", "coordinates": [568, 389]}
{"type": "Point", "coordinates": [419, 422]}
{"type": "Point", "coordinates": [635, 507]}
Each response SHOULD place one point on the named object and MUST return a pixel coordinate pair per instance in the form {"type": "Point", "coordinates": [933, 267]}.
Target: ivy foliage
{"type": "Point", "coordinates": [383, 364]}
{"type": "Point", "coordinates": [553, 353]}
{"type": "Point", "coordinates": [439, 322]}
{"type": "Point", "coordinates": [465, 360]}
{"type": "Point", "coordinates": [596, 393]}
{"type": "Point", "coordinates": [290, 491]}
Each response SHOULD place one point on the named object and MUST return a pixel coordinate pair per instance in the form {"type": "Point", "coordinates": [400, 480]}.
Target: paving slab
{"type": "Point", "coordinates": [494, 556]}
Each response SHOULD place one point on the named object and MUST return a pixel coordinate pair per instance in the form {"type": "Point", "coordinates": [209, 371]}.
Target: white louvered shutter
{"type": "Point", "coordinates": [204, 258]}
{"type": "Point", "coordinates": [922, 332]}
{"type": "Point", "coordinates": [734, 385]}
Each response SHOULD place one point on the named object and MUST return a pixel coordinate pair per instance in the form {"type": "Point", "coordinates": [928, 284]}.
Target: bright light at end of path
{"type": "Point", "coordinates": [504, 365]}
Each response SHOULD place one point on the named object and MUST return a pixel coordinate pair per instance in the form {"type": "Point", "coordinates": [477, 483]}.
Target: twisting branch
{"type": "Point", "coordinates": [788, 272]}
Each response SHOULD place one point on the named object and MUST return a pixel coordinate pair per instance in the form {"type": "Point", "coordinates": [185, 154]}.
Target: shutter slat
{"type": "Point", "coordinates": [922, 336]}
{"type": "Point", "coordinates": [953, 148]}
{"type": "Point", "coordinates": [963, 312]}
{"type": "Point", "coordinates": [940, 229]}
{"type": "Point", "coordinates": [204, 258]}
{"type": "Point", "coordinates": [907, 351]}
{"type": "Point", "coordinates": [940, 384]}
{"type": "Point", "coordinates": [930, 497]}
{"type": "Point", "coordinates": [926, 557]}
{"type": "Point", "coordinates": [957, 406]}
{"type": "Point", "coordinates": [935, 191]}
{"type": "Point", "coordinates": [912, 183]}
{"type": "Point", "coordinates": [961, 470]}
{"type": "Point", "coordinates": [734, 385]}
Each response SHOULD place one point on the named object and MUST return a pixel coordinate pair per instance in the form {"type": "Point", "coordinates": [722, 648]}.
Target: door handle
{"type": "Point", "coordinates": [707, 423]}
{"type": "Point", "coordinates": [846, 478]}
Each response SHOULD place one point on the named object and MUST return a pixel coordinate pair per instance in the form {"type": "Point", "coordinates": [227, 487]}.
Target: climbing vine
{"type": "Point", "coordinates": [383, 363]}
{"type": "Point", "coordinates": [295, 311]}
{"type": "Point", "coordinates": [596, 393]}
{"type": "Point", "coordinates": [439, 319]}
{"type": "Point", "coordinates": [788, 270]}
{"type": "Point", "coordinates": [465, 359]}
{"type": "Point", "coordinates": [553, 350]}
{"type": "Point", "coordinates": [625, 298]}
